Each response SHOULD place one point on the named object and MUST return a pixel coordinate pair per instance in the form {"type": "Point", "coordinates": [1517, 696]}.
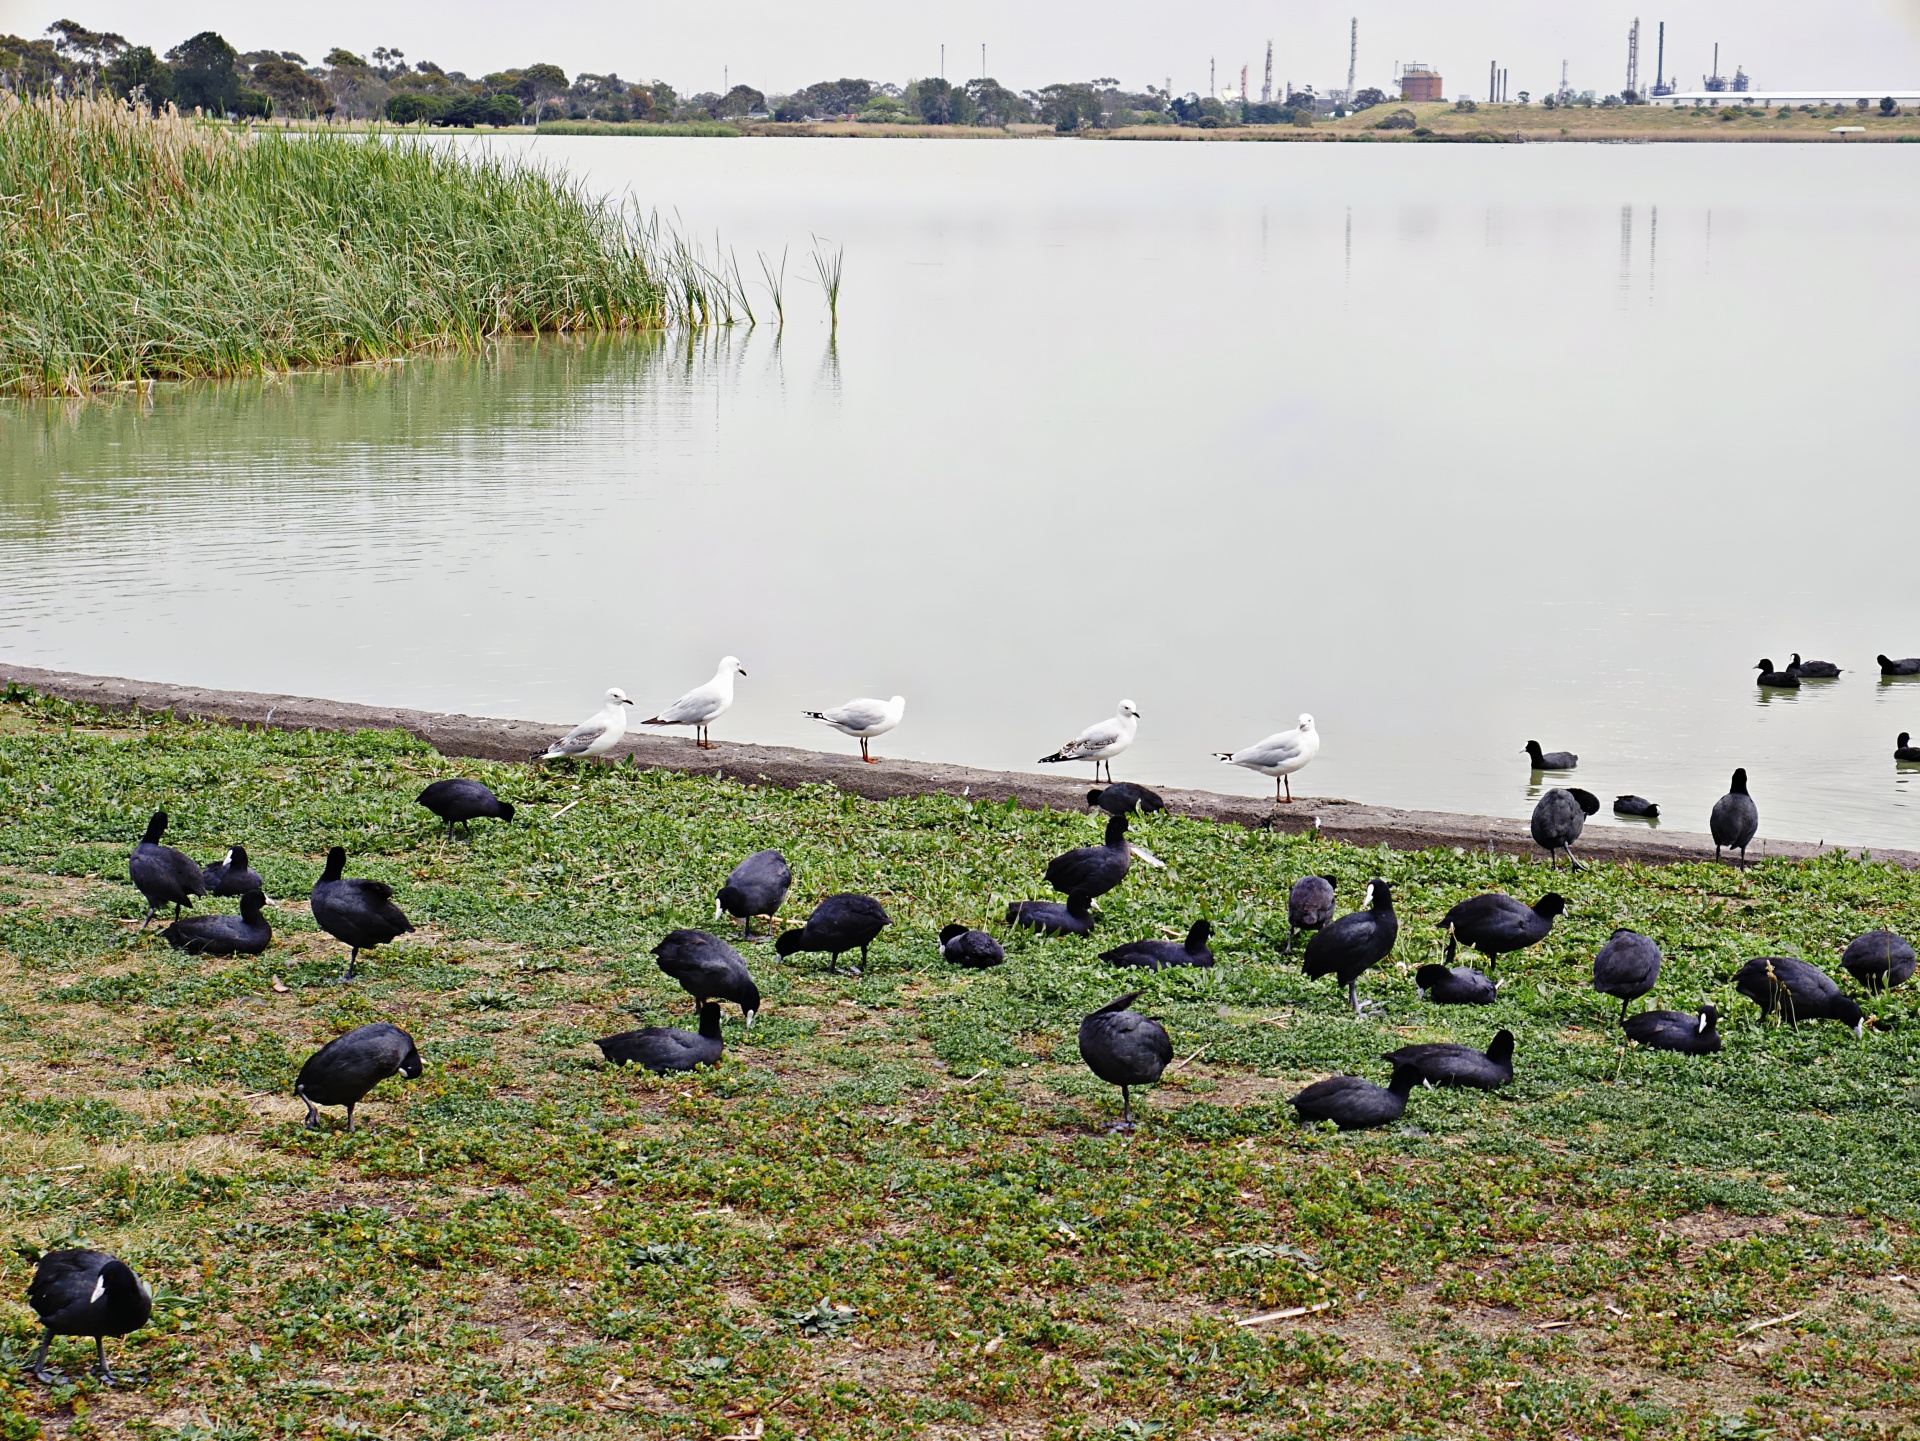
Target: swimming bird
{"type": "Point", "coordinates": [85, 1293]}
{"type": "Point", "coordinates": [1441, 1063]}
{"type": "Point", "coordinates": [1799, 990]}
{"type": "Point", "coordinates": [1124, 1049]}
{"type": "Point", "coordinates": [1101, 741]}
{"type": "Point", "coordinates": [1626, 967]}
{"type": "Point", "coordinates": [343, 1071]}
{"type": "Point", "coordinates": [1456, 985]}
{"type": "Point", "coordinates": [1909, 666]}
{"type": "Point", "coordinates": [1309, 907]}
{"type": "Point", "coordinates": [1089, 872]}
{"type": "Point", "coordinates": [863, 720]}
{"type": "Point", "coordinates": [1550, 760]}
{"type": "Point", "coordinates": [1734, 819]}
{"type": "Point", "coordinates": [232, 876]}
{"type": "Point", "coordinates": [459, 800]}
{"type": "Point", "coordinates": [837, 925]}
{"type": "Point", "coordinates": [1156, 954]}
{"type": "Point", "coordinates": [664, 1048]}
{"type": "Point", "coordinates": [1558, 819]}
{"type": "Point", "coordinates": [1279, 756]}
{"type": "Point", "coordinates": [1904, 752]}
{"type": "Point", "coordinates": [1772, 679]}
{"type": "Point", "coordinates": [1051, 918]}
{"type": "Point", "coordinates": [703, 705]}
{"type": "Point", "coordinates": [758, 886]}
{"type": "Point", "coordinates": [708, 969]}
{"type": "Point", "coordinates": [1813, 669]}
{"type": "Point", "coordinates": [976, 950]}
{"type": "Point", "coordinates": [359, 913]}
{"type": "Point", "coordinates": [1124, 798]}
{"type": "Point", "coordinates": [1878, 960]}
{"type": "Point", "coordinates": [1635, 806]}
{"type": "Point", "coordinates": [1497, 925]}
{"type": "Point", "coordinates": [246, 934]}
{"type": "Point", "coordinates": [597, 734]}
{"type": "Point", "coordinates": [1359, 940]}
{"type": "Point", "coordinates": [166, 877]}
{"type": "Point", "coordinates": [1354, 1104]}
{"type": "Point", "coordinates": [1676, 1031]}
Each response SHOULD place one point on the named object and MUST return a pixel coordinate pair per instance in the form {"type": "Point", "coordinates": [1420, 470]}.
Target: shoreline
{"type": "Point", "coordinates": [788, 767]}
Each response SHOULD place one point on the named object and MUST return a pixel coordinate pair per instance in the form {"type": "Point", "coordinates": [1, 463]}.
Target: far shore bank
{"type": "Point", "coordinates": [491, 738]}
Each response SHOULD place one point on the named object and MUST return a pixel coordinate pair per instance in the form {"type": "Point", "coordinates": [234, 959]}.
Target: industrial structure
{"type": "Point", "coordinates": [1266, 85]}
{"type": "Point", "coordinates": [1353, 60]}
{"type": "Point", "coordinates": [1421, 82]}
{"type": "Point", "coordinates": [1662, 85]}
{"type": "Point", "coordinates": [1632, 91]}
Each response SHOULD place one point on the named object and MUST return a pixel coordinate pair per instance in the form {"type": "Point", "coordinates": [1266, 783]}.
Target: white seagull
{"type": "Point", "coordinates": [597, 734]}
{"type": "Point", "coordinates": [1279, 755]}
{"type": "Point", "coordinates": [1101, 741]}
{"type": "Point", "coordinates": [862, 719]}
{"type": "Point", "coordinates": [699, 708]}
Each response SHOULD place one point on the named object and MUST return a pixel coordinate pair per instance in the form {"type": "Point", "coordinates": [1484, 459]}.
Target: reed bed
{"type": "Point", "coordinates": [137, 247]}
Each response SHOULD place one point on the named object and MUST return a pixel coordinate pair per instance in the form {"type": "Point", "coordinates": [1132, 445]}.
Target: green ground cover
{"type": "Point", "coordinates": [893, 1208]}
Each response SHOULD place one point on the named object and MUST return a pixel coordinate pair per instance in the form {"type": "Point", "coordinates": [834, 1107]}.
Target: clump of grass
{"type": "Point", "coordinates": [136, 247]}
{"type": "Point", "coordinates": [827, 268]}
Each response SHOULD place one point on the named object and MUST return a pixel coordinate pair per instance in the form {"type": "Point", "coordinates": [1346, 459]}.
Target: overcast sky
{"type": "Point", "coordinates": [778, 45]}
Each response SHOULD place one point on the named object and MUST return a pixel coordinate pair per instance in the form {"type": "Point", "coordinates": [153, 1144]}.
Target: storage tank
{"type": "Point", "coordinates": [1421, 82]}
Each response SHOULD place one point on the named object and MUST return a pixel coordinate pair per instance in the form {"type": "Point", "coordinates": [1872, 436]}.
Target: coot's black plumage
{"type": "Point", "coordinates": [1309, 907]}
{"type": "Point", "coordinates": [1550, 760]}
{"type": "Point", "coordinates": [166, 877]}
{"type": "Point", "coordinates": [1051, 918]}
{"type": "Point", "coordinates": [1909, 666]}
{"type": "Point", "coordinates": [1354, 1104]}
{"type": "Point", "coordinates": [1089, 872]}
{"type": "Point", "coordinates": [85, 1293]}
{"type": "Point", "coordinates": [459, 800]}
{"type": "Point", "coordinates": [663, 1048]}
{"type": "Point", "coordinates": [1442, 1063]}
{"type": "Point", "coordinates": [758, 886]}
{"type": "Point", "coordinates": [1626, 967]}
{"type": "Point", "coordinates": [1496, 925]}
{"type": "Point", "coordinates": [1635, 806]}
{"type": "Point", "coordinates": [1559, 817]}
{"type": "Point", "coordinates": [1124, 1049]}
{"type": "Point", "coordinates": [976, 950]}
{"type": "Point", "coordinates": [1352, 945]}
{"type": "Point", "coordinates": [341, 1072]}
{"type": "Point", "coordinates": [838, 925]}
{"type": "Point", "coordinates": [1797, 989]}
{"type": "Point", "coordinates": [1124, 798]}
{"type": "Point", "coordinates": [1813, 669]}
{"type": "Point", "coordinates": [1156, 954]}
{"type": "Point", "coordinates": [1878, 960]}
{"type": "Point", "coordinates": [1676, 1031]}
{"type": "Point", "coordinates": [246, 934]}
{"type": "Point", "coordinates": [1788, 679]}
{"type": "Point", "coordinates": [1456, 985]}
{"type": "Point", "coordinates": [359, 913]}
{"type": "Point", "coordinates": [1902, 751]}
{"type": "Point", "coordinates": [1735, 818]}
{"type": "Point", "coordinates": [232, 875]}
{"type": "Point", "coordinates": [708, 969]}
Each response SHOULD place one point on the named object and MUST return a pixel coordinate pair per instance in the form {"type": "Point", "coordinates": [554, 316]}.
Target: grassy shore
{"type": "Point", "coordinates": [136, 248]}
{"type": "Point", "coordinates": [892, 1210]}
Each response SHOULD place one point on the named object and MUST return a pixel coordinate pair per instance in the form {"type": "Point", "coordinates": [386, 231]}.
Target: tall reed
{"type": "Point", "coordinates": [827, 268]}
{"type": "Point", "coordinates": [136, 247]}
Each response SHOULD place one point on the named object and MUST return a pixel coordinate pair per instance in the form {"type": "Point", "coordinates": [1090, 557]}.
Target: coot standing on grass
{"type": "Point", "coordinates": [1497, 925]}
{"type": "Point", "coordinates": [1124, 1049]}
{"type": "Point", "coordinates": [1799, 990]}
{"type": "Point", "coordinates": [1441, 1063]}
{"type": "Point", "coordinates": [457, 800]}
{"type": "Point", "coordinates": [246, 934]}
{"type": "Point", "coordinates": [1878, 960]}
{"type": "Point", "coordinates": [664, 1048]}
{"type": "Point", "coordinates": [1354, 1104]}
{"type": "Point", "coordinates": [359, 913]}
{"type": "Point", "coordinates": [1902, 751]}
{"type": "Point", "coordinates": [1352, 945]}
{"type": "Point", "coordinates": [1125, 797]}
{"type": "Point", "coordinates": [1050, 918]}
{"type": "Point", "coordinates": [758, 886]}
{"type": "Point", "coordinates": [1626, 967]}
{"type": "Point", "coordinates": [1550, 760]}
{"type": "Point", "coordinates": [1735, 818]}
{"type": "Point", "coordinates": [976, 950]}
{"type": "Point", "coordinates": [1157, 954]}
{"type": "Point", "coordinates": [1909, 666]}
{"type": "Point", "coordinates": [1676, 1031]}
{"type": "Point", "coordinates": [1456, 985]}
{"type": "Point", "coordinates": [1089, 872]}
{"type": "Point", "coordinates": [1559, 818]}
{"type": "Point", "coordinates": [1772, 679]}
{"type": "Point", "coordinates": [341, 1072]}
{"type": "Point", "coordinates": [166, 877]}
{"type": "Point", "coordinates": [1309, 907]}
{"type": "Point", "coordinates": [1813, 669]}
{"type": "Point", "coordinates": [232, 876]}
{"type": "Point", "coordinates": [837, 925]}
{"type": "Point", "coordinates": [85, 1293]}
{"type": "Point", "coordinates": [708, 969]}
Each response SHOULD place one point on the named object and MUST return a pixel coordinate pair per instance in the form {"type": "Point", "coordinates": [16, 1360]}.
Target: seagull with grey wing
{"type": "Point", "coordinates": [704, 704]}
{"type": "Point", "coordinates": [1279, 756]}
{"type": "Point", "coordinates": [597, 734]}
{"type": "Point", "coordinates": [863, 719]}
{"type": "Point", "coordinates": [1101, 741]}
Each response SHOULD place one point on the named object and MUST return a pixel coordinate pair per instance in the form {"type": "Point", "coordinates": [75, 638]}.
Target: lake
{"type": "Point", "coordinates": [1452, 447]}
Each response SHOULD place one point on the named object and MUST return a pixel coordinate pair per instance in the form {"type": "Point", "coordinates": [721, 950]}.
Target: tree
{"type": "Point", "coordinates": [741, 100]}
{"type": "Point", "coordinates": [932, 100]}
{"type": "Point", "coordinates": [293, 91]}
{"type": "Point", "coordinates": [1069, 107]}
{"type": "Point", "coordinates": [88, 51]}
{"type": "Point", "coordinates": [994, 104]}
{"type": "Point", "coordinates": [204, 74]}
{"type": "Point", "coordinates": [338, 59]}
{"type": "Point", "coordinates": [1887, 107]}
{"type": "Point", "coordinates": [1370, 97]}
{"type": "Point", "coordinates": [540, 83]}
{"type": "Point", "coordinates": [140, 76]}
{"type": "Point", "coordinates": [410, 107]}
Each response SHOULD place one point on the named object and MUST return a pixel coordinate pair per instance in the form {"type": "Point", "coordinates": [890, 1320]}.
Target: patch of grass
{"type": "Point", "coordinates": [892, 1209]}
{"type": "Point", "coordinates": [713, 128]}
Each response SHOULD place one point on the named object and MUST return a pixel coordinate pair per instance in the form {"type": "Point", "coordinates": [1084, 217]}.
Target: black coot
{"type": "Point", "coordinates": [85, 1293]}
{"type": "Point", "coordinates": [1735, 818]}
{"type": "Point", "coordinates": [663, 1048]}
{"type": "Point", "coordinates": [1157, 954]}
{"type": "Point", "coordinates": [1497, 925]}
{"type": "Point", "coordinates": [1676, 1031]}
{"type": "Point", "coordinates": [1356, 1105]}
{"type": "Point", "coordinates": [1813, 669]}
{"type": "Point", "coordinates": [459, 800]}
{"type": "Point", "coordinates": [1558, 819]}
{"type": "Point", "coordinates": [166, 877]}
{"type": "Point", "coordinates": [1798, 990]}
{"type": "Point", "coordinates": [1456, 985]}
{"type": "Point", "coordinates": [1902, 751]}
{"type": "Point", "coordinates": [246, 934]}
{"type": "Point", "coordinates": [232, 876]}
{"type": "Point", "coordinates": [976, 950]}
{"type": "Point", "coordinates": [1626, 967]}
{"type": "Point", "coordinates": [1089, 872]}
{"type": "Point", "coordinates": [341, 1072]}
{"type": "Point", "coordinates": [1878, 960]}
{"type": "Point", "coordinates": [1124, 1049]}
{"type": "Point", "coordinates": [1909, 666]}
{"type": "Point", "coordinates": [1788, 679]}
{"type": "Point", "coordinates": [1125, 798]}
{"type": "Point", "coordinates": [1309, 907]}
{"type": "Point", "coordinates": [359, 913]}
{"type": "Point", "coordinates": [708, 969]}
{"type": "Point", "coordinates": [1635, 806]}
{"type": "Point", "coordinates": [1051, 918]}
{"type": "Point", "coordinates": [1550, 760]}
{"type": "Point", "coordinates": [758, 886]}
{"type": "Point", "coordinates": [1352, 945]}
{"type": "Point", "coordinates": [1442, 1063]}
{"type": "Point", "coordinates": [838, 925]}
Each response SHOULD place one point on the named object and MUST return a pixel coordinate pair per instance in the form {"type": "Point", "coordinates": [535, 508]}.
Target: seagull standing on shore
{"type": "Point", "coordinates": [700, 708]}
{"type": "Point", "coordinates": [597, 734]}
{"type": "Point", "coordinates": [1279, 756]}
{"type": "Point", "coordinates": [1101, 741]}
{"type": "Point", "coordinates": [863, 719]}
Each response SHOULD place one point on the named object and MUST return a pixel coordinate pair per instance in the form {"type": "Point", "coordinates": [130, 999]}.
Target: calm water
{"type": "Point", "coordinates": [1452, 447]}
